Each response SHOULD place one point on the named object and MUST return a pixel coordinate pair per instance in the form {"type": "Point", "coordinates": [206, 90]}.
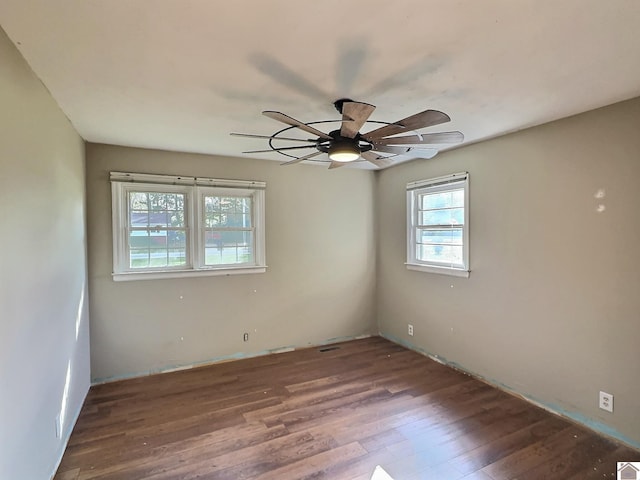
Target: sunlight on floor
{"type": "Point", "coordinates": [380, 474]}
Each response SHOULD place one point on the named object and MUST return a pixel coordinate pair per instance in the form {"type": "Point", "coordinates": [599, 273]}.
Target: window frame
{"type": "Point", "coordinates": [433, 185]}
{"type": "Point", "coordinates": [195, 189]}
{"type": "Point", "coordinates": [257, 220]}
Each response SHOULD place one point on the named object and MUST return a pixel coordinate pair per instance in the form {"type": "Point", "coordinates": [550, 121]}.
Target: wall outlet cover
{"type": "Point", "coordinates": [606, 401]}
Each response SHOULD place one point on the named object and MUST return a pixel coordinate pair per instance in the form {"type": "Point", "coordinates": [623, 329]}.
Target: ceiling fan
{"type": "Point", "coordinates": [381, 146]}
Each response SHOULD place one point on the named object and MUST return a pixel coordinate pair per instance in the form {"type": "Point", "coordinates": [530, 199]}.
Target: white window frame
{"type": "Point", "coordinates": [439, 184]}
{"type": "Point", "coordinates": [194, 189]}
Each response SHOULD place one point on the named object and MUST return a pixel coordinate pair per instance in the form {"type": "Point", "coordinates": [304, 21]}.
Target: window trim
{"type": "Point", "coordinates": [194, 188]}
{"type": "Point", "coordinates": [421, 186]}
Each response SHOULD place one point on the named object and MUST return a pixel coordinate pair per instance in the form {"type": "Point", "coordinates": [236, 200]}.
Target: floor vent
{"type": "Point", "coordinates": [328, 349]}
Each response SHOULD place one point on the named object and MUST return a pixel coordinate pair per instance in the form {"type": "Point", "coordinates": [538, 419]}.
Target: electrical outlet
{"type": "Point", "coordinates": [245, 337]}
{"type": "Point", "coordinates": [606, 401]}
{"type": "Point", "coordinates": [410, 329]}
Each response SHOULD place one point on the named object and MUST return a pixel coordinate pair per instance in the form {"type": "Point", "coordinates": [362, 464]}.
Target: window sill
{"type": "Point", "coordinates": [205, 272]}
{"type": "Point", "coordinates": [455, 272]}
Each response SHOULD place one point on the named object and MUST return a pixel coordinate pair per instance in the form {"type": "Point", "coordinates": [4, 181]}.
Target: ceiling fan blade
{"type": "Point", "coordinates": [278, 149]}
{"type": "Point", "coordinates": [396, 150]}
{"type": "Point", "coordinates": [419, 153]}
{"type": "Point", "coordinates": [337, 164]}
{"type": "Point", "coordinates": [378, 161]}
{"type": "Point", "coordinates": [428, 118]}
{"type": "Point", "coordinates": [354, 116]}
{"type": "Point", "coordinates": [297, 160]}
{"type": "Point", "coordinates": [427, 138]}
{"type": "Point", "coordinates": [273, 138]}
{"type": "Point", "coordinates": [281, 117]}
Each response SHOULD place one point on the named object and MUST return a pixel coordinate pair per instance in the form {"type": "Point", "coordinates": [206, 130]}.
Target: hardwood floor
{"type": "Point", "coordinates": [327, 413]}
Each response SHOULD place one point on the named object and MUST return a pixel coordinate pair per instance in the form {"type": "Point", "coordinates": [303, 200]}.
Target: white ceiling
{"type": "Point", "coordinates": [183, 74]}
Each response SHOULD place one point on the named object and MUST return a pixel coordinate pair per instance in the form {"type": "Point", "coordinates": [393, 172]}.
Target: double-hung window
{"type": "Point", "coordinates": [166, 226]}
{"type": "Point", "coordinates": [438, 225]}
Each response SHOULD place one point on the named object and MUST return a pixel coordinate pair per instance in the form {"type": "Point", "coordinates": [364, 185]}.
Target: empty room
{"type": "Point", "coordinates": [341, 240]}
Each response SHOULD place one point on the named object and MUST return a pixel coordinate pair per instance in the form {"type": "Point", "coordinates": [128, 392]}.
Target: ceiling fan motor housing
{"type": "Point", "coordinates": [341, 101]}
{"type": "Point", "coordinates": [343, 149]}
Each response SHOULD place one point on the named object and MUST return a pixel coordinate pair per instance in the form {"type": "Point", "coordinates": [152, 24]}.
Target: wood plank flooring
{"type": "Point", "coordinates": [327, 413]}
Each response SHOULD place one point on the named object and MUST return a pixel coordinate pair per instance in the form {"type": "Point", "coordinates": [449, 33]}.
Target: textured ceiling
{"type": "Point", "coordinates": [183, 74]}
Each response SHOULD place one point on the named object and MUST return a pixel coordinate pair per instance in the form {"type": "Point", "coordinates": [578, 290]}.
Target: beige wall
{"type": "Point", "coordinates": [552, 306]}
{"type": "Point", "coordinates": [44, 338]}
{"type": "Point", "coordinates": [319, 284]}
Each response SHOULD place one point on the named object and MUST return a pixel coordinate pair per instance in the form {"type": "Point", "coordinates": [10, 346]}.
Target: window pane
{"type": "Point", "coordinates": [228, 247]}
{"type": "Point", "coordinates": [138, 201]}
{"type": "Point", "coordinates": [227, 212]}
{"type": "Point", "coordinates": [176, 219]}
{"type": "Point", "coordinates": [158, 219]}
{"type": "Point", "coordinates": [227, 205]}
{"type": "Point", "coordinates": [450, 216]}
{"type": "Point", "coordinates": [157, 248]}
{"type": "Point", "coordinates": [211, 220]}
{"type": "Point", "coordinates": [177, 257]}
{"type": "Point", "coordinates": [138, 219]}
{"type": "Point", "coordinates": [174, 201]}
{"type": "Point", "coordinates": [236, 204]}
{"type": "Point", "coordinates": [138, 239]}
{"type": "Point", "coordinates": [453, 198]}
{"type": "Point", "coordinates": [440, 237]}
{"type": "Point", "coordinates": [158, 257]}
{"type": "Point", "coordinates": [212, 204]}
{"type": "Point", "coordinates": [151, 209]}
{"type": "Point", "coordinates": [235, 220]}
{"type": "Point", "coordinates": [139, 258]}
{"type": "Point", "coordinates": [158, 201]}
{"type": "Point", "coordinates": [212, 239]}
{"type": "Point", "coordinates": [447, 254]}
{"type": "Point", "coordinates": [177, 239]}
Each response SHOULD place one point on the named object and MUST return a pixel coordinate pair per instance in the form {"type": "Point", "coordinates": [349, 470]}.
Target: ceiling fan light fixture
{"type": "Point", "coordinates": [344, 152]}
